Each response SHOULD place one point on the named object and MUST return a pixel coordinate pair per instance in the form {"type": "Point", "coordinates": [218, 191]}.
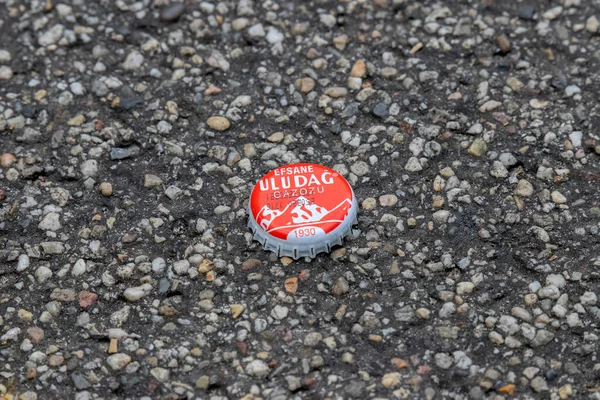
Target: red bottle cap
{"type": "Point", "coordinates": [301, 210]}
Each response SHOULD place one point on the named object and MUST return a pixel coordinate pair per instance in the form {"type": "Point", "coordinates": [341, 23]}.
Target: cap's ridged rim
{"type": "Point", "coordinates": [322, 244]}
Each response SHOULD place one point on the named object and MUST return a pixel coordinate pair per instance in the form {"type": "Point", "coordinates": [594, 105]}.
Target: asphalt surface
{"type": "Point", "coordinates": [132, 133]}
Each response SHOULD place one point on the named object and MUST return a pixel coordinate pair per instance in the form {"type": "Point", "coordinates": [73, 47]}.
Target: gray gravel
{"type": "Point", "coordinates": [131, 135]}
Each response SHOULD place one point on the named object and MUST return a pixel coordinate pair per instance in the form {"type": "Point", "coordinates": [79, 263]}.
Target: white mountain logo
{"type": "Point", "coordinates": [301, 212]}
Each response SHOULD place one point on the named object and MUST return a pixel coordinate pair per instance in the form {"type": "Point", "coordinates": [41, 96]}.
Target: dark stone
{"type": "Point", "coordinates": [29, 110]}
{"type": "Point", "coordinates": [355, 389]}
{"type": "Point", "coordinates": [460, 373]}
{"type": "Point", "coordinates": [124, 30]}
{"type": "Point", "coordinates": [117, 153]}
{"type": "Point", "coordinates": [559, 81]}
{"type": "Point", "coordinates": [551, 375]}
{"type": "Point", "coordinates": [351, 110]}
{"type": "Point", "coordinates": [129, 382]}
{"type": "Point", "coordinates": [172, 13]}
{"type": "Point", "coordinates": [268, 336]}
{"type": "Point", "coordinates": [99, 88]}
{"type": "Point", "coordinates": [71, 310]}
{"type": "Point", "coordinates": [526, 11]}
{"type": "Point", "coordinates": [6, 353]}
{"type": "Point", "coordinates": [129, 103]}
{"type": "Point", "coordinates": [164, 285]}
{"type": "Point", "coordinates": [80, 382]}
{"type": "Point", "coordinates": [72, 364]}
{"type": "Point", "coordinates": [380, 110]}
{"type": "Point", "coordinates": [498, 293]}
{"type": "Point", "coordinates": [336, 129]}
{"type": "Point", "coordinates": [57, 139]}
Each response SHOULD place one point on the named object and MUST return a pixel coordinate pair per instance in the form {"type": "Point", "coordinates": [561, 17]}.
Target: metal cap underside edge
{"type": "Point", "coordinates": [323, 245]}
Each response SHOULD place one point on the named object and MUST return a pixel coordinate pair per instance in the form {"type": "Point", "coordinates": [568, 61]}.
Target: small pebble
{"type": "Point", "coordinates": [359, 69]}
{"type": "Point", "coordinates": [503, 43]}
{"type": "Point", "coordinates": [173, 12]}
{"type": "Point", "coordinates": [106, 188]}
{"type": "Point", "coordinates": [7, 160]}
{"type": "Point", "coordinates": [218, 123]}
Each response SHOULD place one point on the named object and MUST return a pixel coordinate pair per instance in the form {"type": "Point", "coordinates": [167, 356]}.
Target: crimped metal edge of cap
{"type": "Point", "coordinates": [322, 245]}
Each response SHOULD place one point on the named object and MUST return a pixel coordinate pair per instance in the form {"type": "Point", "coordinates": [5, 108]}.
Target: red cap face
{"type": "Point", "coordinates": [300, 201]}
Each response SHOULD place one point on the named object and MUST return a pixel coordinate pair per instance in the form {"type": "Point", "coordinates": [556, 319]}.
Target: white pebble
{"type": "Point", "coordinates": [77, 88]}
{"type": "Point", "coordinates": [23, 263]}
{"type": "Point", "coordinates": [133, 61]}
{"type": "Point", "coordinates": [279, 312]}
{"type": "Point", "coordinates": [257, 368]}
{"type": "Point", "coordinates": [137, 292]}
{"type": "Point", "coordinates": [50, 222]}
{"type": "Point", "coordinates": [181, 267]}
{"type": "Point", "coordinates": [557, 280]}
{"type": "Point", "coordinates": [79, 268]}
{"type": "Point", "coordinates": [4, 57]}
{"type": "Point", "coordinates": [42, 274]}
{"type": "Point", "coordinates": [158, 265]}
{"type": "Point", "coordinates": [89, 168]}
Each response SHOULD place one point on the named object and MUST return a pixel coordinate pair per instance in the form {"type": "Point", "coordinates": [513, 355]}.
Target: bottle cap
{"type": "Point", "coordinates": [300, 210]}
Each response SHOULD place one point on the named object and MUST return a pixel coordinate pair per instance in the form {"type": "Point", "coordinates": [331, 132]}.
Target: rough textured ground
{"type": "Point", "coordinates": [468, 129]}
